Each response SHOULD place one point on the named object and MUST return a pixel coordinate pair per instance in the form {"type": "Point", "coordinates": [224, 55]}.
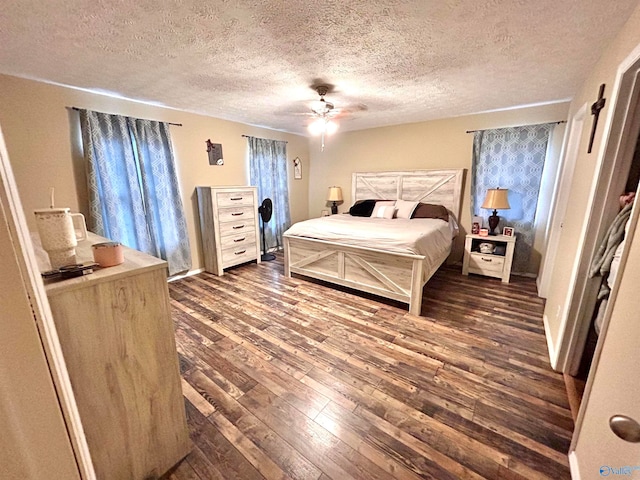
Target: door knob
{"type": "Point", "coordinates": [625, 427]}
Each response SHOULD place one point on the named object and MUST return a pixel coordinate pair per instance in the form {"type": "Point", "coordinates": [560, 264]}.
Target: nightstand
{"type": "Point", "coordinates": [495, 264]}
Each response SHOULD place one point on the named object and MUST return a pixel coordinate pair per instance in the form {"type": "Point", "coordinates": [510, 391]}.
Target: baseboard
{"type": "Point", "coordinates": [553, 355]}
{"type": "Point", "coordinates": [185, 275]}
{"type": "Point", "coordinates": [573, 465]}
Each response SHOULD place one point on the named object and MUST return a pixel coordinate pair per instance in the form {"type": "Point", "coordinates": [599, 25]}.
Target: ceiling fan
{"type": "Point", "coordinates": [324, 112]}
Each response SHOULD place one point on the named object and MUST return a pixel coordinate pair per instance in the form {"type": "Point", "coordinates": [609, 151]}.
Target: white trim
{"type": "Point", "coordinates": [185, 275]}
{"type": "Point", "coordinates": [615, 152]}
{"type": "Point", "coordinates": [574, 466]}
{"type": "Point", "coordinates": [553, 355]}
{"type": "Point", "coordinates": [625, 113]}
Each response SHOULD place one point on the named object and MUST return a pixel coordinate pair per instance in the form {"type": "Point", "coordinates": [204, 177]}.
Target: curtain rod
{"type": "Point", "coordinates": [170, 123]}
{"type": "Point", "coordinates": [250, 136]}
{"type": "Point", "coordinates": [546, 123]}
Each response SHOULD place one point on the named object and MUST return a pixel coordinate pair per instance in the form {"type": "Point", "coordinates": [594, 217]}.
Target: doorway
{"type": "Point", "coordinates": [617, 171]}
{"type": "Point", "coordinates": [601, 303]}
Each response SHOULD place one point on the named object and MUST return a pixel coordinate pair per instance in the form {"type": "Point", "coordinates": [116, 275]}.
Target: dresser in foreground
{"type": "Point", "coordinates": [118, 342]}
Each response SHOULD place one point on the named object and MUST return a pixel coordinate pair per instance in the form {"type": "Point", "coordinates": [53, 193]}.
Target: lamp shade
{"type": "Point", "coordinates": [335, 194]}
{"type": "Point", "coordinates": [497, 199]}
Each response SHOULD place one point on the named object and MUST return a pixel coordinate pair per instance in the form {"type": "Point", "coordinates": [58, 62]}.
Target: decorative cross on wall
{"type": "Point", "coordinates": [595, 111]}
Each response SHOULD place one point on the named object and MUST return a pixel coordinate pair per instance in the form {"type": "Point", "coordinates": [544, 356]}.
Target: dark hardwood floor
{"type": "Point", "coordinates": [285, 378]}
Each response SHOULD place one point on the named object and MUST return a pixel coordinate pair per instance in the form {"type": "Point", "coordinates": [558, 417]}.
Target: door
{"type": "Point", "coordinates": [614, 382]}
{"type": "Point", "coordinates": [41, 432]}
{"type": "Point", "coordinates": [34, 443]}
{"type": "Point", "coordinates": [560, 200]}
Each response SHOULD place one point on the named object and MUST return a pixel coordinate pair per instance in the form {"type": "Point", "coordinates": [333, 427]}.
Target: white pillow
{"type": "Point", "coordinates": [405, 208]}
{"type": "Point", "coordinates": [386, 211]}
{"type": "Point", "coordinates": [379, 205]}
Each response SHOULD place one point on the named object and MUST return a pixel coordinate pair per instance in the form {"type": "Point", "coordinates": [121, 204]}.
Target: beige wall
{"type": "Point", "coordinates": [427, 145]}
{"type": "Point", "coordinates": [581, 186]}
{"type": "Point", "coordinates": [43, 141]}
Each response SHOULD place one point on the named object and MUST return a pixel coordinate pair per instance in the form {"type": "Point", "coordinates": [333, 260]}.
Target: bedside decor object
{"type": "Point", "coordinates": [334, 195]}
{"type": "Point", "coordinates": [508, 231]}
{"type": "Point", "coordinates": [484, 232]}
{"type": "Point", "coordinates": [486, 247]}
{"type": "Point", "coordinates": [476, 224]}
{"type": "Point", "coordinates": [214, 150]}
{"type": "Point", "coordinates": [496, 199]}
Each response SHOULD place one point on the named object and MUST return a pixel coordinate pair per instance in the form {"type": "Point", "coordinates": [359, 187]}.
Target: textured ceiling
{"type": "Point", "coordinates": [253, 61]}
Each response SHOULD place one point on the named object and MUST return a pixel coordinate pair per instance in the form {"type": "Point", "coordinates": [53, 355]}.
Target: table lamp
{"type": "Point", "coordinates": [496, 199]}
{"type": "Point", "coordinates": [335, 196]}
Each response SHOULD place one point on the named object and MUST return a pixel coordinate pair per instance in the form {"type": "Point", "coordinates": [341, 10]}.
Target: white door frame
{"type": "Point", "coordinates": [621, 140]}
{"type": "Point", "coordinates": [560, 199]}
{"type": "Point", "coordinates": [618, 144]}
{"type": "Point", "coordinates": [26, 259]}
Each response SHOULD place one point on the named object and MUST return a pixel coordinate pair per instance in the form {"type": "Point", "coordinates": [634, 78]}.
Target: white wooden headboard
{"type": "Point", "coordinates": [443, 187]}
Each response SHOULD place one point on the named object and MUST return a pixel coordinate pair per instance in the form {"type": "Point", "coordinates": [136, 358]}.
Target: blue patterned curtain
{"type": "Point", "coordinates": [268, 171]}
{"type": "Point", "coordinates": [134, 196]}
{"type": "Point", "coordinates": [511, 158]}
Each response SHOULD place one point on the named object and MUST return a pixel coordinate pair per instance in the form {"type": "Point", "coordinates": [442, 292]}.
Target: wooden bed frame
{"type": "Point", "coordinates": [399, 276]}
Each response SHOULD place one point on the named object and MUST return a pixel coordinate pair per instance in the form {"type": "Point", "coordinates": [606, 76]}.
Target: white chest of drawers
{"type": "Point", "coordinates": [228, 226]}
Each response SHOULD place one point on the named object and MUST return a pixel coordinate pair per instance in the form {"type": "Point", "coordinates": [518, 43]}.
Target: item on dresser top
{"type": "Point", "coordinates": [108, 254]}
{"type": "Point", "coordinates": [60, 230]}
{"type": "Point", "coordinates": [70, 271]}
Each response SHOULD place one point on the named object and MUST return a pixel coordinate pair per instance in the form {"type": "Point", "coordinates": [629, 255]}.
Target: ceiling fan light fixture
{"type": "Point", "coordinates": [317, 126]}
{"type": "Point", "coordinates": [322, 126]}
{"type": "Point", "coordinates": [331, 127]}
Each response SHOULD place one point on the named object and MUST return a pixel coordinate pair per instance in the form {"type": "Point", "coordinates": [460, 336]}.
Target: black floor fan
{"type": "Point", "coordinates": [266, 211]}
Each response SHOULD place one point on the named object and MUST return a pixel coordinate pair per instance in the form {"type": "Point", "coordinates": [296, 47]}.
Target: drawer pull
{"type": "Point", "coordinates": [237, 227]}
{"type": "Point", "coordinates": [487, 259]}
{"type": "Point", "coordinates": [235, 199]}
{"type": "Point", "coordinates": [239, 239]}
{"type": "Point", "coordinates": [237, 214]}
{"type": "Point", "coordinates": [240, 252]}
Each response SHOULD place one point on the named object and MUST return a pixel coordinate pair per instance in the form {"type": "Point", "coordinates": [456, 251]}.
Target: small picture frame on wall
{"type": "Point", "coordinates": [214, 151]}
{"type": "Point", "coordinates": [297, 168]}
{"type": "Point", "coordinates": [508, 231]}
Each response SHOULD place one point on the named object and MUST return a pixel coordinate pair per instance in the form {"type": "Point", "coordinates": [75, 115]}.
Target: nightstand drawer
{"type": "Point", "coordinates": [230, 199]}
{"type": "Point", "coordinates": [486, 263]}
